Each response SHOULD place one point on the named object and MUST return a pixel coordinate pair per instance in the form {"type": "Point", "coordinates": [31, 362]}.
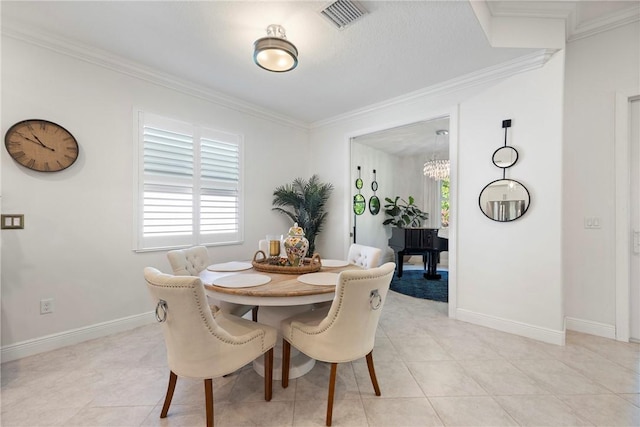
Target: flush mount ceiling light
{"type": "Point", "coordinates": [274, 52]}
{"type": "Point", "coordinates": [437, 169]}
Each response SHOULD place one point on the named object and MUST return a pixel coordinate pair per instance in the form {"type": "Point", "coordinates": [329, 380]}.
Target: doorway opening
{"type": "Point", "coordinates": [398, 156]}
{"type": "Point", "coordinates": [627, 247]}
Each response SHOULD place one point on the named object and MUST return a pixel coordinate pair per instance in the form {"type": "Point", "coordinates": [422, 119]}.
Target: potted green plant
{"type": "Point", "coordinates": [403, 213]}
{"type": "Point", "coordinates": [306, 202]}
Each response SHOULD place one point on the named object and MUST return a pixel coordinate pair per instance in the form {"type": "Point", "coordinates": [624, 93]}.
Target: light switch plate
{"type": "Point", "coordinates": [592, 222]}
{"type": "Point", "coordinates": [11, 222]}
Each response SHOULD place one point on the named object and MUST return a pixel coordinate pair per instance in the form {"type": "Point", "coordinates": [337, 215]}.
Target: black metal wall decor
{"type": "Point", "coordinates": [359, 203]}
{"type": "Point", "coordinates": [374, 201]}
{"type": "Point", "coordinates": [504, 200]}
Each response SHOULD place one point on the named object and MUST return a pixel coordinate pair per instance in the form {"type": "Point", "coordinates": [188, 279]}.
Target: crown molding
{"type": "Point", "coordinates": [576, 31]}
{"type": "Point", "coordinates": [531, 9]}
{"type": "Point", "coordinates": [497, 72]}
{"type": "Point", "coordinates": [116, 63]}
{"type": "Point", "coordinates": [575, 27]}
{"type": "Point", "coordinates": [121, 65]}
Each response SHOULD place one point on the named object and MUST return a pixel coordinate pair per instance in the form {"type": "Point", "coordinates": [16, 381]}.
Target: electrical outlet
{"type": "Point", "coordinates": [46, 306]}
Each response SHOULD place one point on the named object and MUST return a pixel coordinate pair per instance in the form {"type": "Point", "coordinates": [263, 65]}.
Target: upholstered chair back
{"type": "Point", "coordinates": [364, 256]}
{"type": "Point", "coordinates": [189, 262]}
{"type": "Point", "coordinates": [197, 347]}
{"type": "Point", "coordinates": [349, 328]}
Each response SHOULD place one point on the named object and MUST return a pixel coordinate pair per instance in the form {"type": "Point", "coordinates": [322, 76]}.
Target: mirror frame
{"type": "Point", "coordinates": [374, 205]}
{"type": "Point", "coordinates": [359, 204]}
{"type": "Point", "coordinates": [527, 202]}
{"type": "Point", "coordinates": [493, 157]}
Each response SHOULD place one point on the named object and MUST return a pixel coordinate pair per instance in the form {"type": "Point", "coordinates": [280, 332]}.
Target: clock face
{"type": "Point", "coordinates": [41, 145]}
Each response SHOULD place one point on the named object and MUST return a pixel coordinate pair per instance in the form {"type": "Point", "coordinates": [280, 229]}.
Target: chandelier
{"type": "Point", "coordinates": [437, 169]}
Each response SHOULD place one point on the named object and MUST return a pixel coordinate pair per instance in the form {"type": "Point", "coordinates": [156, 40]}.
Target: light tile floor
{"type": "Point", "coordinates": [432, 370]}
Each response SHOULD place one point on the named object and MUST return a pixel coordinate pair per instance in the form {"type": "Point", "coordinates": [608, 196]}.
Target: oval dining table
{"type": "Point", "coordinates": [282, 297]}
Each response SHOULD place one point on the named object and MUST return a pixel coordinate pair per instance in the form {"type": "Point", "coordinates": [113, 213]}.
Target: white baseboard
{"type": "Point", "coordinates": [547, 335]}
{"type": "Point", "coordinates": [74, 336]}
{"type": "Point", "coordinates": [590, 327]}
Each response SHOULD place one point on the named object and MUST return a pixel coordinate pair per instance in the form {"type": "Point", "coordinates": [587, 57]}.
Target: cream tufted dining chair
{"type": "Point", "coordinates": [190, 262]}
{"type": "Point", "coordinates": [203, 345]}
{"type": "Point", "coordinates": [343, 332]}
{"type": "Point", "coordinates": [364, 256]}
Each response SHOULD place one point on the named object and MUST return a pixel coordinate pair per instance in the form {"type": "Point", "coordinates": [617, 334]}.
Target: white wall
{"type": "Point", "coordinates": [410, 180]}
{"type": "Point", "coordinates": [77, 243]}
{"type": "Point", "coordinates": [510, 273]}
{"type": "Point", "coordinates": [369, 228]}
{"type": "Point", "coordinates": [528, 300]}
{"type": "Point", "coordinates": [596, 68]}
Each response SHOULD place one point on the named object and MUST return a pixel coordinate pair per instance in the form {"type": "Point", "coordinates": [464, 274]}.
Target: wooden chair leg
{"type": "Point", "coordinates": [332, 388]}
{"type": "Point", "coordinates": [268, 374]}
{"type": "Point", "coordinates": [208, 400]}
{"type": "Point", "coordinates": [372, 373]}
{"type": "Point", "coordinates": [286, 360]}
{"type": "Point", "coordinates": [254, 313]}
{"type": "Point", "coordinates": [167, 400]}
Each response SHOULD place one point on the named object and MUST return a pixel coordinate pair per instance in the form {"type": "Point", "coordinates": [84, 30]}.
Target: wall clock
{"type": "Point", "coordinates": [41, 145]}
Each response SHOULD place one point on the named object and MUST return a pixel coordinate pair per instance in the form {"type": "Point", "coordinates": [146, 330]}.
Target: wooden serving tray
{"type": "Point", "coordinates": [310, 265]}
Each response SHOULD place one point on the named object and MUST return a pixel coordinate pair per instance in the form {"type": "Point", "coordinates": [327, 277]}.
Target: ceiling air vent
{"type": "Point", "coordinates": [343, 12]}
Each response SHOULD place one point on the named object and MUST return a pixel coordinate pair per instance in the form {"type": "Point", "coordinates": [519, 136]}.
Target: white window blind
{"type": "Point", "coordinates": [190, 185]}
{"type": "Point", "coordinates": [219, 178]}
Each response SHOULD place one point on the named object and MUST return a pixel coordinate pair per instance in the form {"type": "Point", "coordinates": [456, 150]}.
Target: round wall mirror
{"type": "Point", "coordinates": [504, 200]}
{"type": "Point", "coordinates": [505, 157]}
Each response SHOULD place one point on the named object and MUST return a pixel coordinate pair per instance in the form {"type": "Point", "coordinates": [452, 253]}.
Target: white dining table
{"type": "Point", "coordinates": [283, 296]}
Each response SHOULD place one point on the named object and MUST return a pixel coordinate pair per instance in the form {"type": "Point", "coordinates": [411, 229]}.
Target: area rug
{"type": "Point", "coordinates": [413, 283]}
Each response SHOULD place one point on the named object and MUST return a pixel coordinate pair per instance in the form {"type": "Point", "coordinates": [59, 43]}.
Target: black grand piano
{"type": "Point", "coordinates": [419, 241]}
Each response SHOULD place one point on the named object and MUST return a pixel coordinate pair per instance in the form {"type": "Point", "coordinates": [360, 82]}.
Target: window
{"type": "Point", "coordinates": [189, 185]}
{"type": "Point", "coordinates": [444, 202]}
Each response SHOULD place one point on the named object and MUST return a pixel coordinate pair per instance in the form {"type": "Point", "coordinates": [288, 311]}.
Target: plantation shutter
{"type": "Point", "coordinates": [190, 185]}
{"type": "Point", "coordinates": [220, 162]}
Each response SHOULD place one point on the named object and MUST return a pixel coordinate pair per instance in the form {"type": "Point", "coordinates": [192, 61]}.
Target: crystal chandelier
{"type": "Point", "coordinates": [437, 169]}
{"type": "Point", "coordinates": [434, 168]}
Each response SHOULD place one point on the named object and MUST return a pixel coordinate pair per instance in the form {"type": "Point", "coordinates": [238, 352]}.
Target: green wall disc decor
{"type": "Point", "coordinates": [374, 201]}
{"type": "Point", "coordinates": [359, 203]}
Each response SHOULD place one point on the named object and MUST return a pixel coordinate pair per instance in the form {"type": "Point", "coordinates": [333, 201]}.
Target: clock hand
{"type": "Point", "coordinates": [29, 139]}
{"type": "Point", "coordinates": [35, 142]}
{"type": "Point", "coordinates": [41, 143]}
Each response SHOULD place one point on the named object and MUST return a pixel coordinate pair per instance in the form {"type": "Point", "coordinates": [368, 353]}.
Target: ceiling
{"type": "Point", "coordinates": [415, 139]}
{"type": "Point", "coordinates": [397, 48]}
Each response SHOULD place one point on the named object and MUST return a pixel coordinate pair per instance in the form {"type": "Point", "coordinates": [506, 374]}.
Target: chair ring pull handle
{"type": "Point", "coordinates": [375, 300]}
{"type": "Point", "coordinates": [162, 305]}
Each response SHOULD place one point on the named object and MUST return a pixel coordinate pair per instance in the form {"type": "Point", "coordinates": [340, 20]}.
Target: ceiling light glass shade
{"type": "Point", "coordinates": [437, 169]}
{"type": "Point", "coordinates": [274, 52]}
